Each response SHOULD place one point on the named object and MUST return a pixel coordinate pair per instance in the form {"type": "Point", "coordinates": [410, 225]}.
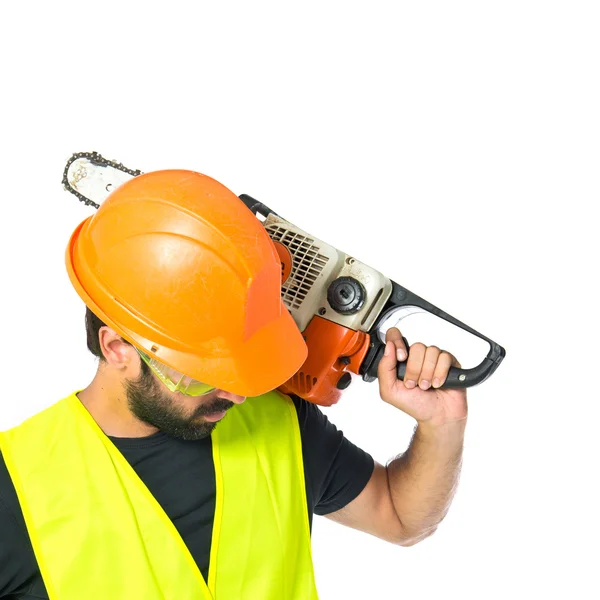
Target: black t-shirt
{"type": "Point", "coordinates": [335, 470]}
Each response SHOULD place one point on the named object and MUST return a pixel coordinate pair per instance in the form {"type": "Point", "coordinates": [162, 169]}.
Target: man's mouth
{"type": "Point", "coordinates": [214, 417]}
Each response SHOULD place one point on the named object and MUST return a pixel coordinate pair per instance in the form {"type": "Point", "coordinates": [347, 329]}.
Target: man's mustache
{"type": "Point", "coordinates": [218, 405]}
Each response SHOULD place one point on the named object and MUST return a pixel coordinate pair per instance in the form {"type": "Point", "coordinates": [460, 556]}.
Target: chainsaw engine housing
{"type": "Point", "coordinates": [334, 300]}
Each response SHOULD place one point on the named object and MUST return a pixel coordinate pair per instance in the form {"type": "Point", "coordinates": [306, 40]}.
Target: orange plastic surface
{"type": "Point", "coordinates": [327, 342]}
{"type": "Point", "coordinates": [175, 263]}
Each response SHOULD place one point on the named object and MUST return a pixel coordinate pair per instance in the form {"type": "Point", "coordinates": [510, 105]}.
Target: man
{"type": "Point", "coordinates": [180, 471]}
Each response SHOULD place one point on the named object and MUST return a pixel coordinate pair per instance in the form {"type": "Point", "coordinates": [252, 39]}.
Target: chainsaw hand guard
{"type": "Point", "coordinates": [457, 378]}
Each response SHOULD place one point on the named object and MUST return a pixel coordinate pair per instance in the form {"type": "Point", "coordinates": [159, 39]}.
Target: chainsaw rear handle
{"type": "Point", "coordinates": [457, 378]}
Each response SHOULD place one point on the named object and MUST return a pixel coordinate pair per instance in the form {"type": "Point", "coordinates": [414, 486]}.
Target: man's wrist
{"type": "Point", "coordinates": [440, 432]}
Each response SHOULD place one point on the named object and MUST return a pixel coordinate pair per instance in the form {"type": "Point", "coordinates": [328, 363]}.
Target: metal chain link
{"type": "Point", "coordinates": [95, 159]}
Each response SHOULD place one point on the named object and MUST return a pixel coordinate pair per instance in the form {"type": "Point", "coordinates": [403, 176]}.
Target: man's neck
{"type": "Point", "coordinates": [106, 402]}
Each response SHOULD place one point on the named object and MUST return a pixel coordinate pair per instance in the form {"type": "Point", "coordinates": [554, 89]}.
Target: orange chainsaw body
{"type": "Point", "coordinates": [334, 352]}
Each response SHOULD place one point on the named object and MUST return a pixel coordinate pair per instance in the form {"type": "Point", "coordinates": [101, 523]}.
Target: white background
{"type": "Point", "coordinates": [453, 146]}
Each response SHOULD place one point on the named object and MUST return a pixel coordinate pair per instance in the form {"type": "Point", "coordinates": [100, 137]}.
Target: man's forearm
{"type": "Point", "coordinates": [423, 480]}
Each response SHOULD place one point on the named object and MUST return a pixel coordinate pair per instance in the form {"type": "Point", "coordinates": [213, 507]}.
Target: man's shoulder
{"type": "Point", "coordinates": [308, 412]}
{"type": "Point", "coordinates": [271, 405]}
{"type": "Point", "coordinates": [296, 401]}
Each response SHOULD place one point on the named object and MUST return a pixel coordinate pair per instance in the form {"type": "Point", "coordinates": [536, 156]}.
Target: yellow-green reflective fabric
{"type": "Point", "coordinates": [98, 533]}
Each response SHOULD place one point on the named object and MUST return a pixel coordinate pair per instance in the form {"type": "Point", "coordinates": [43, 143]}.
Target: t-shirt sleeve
{"type": "Point", "coordinates": [336, 470]}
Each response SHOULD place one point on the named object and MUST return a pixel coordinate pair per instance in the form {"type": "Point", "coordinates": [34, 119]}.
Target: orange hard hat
{"type": "Point", "coordinates": [176, 264]}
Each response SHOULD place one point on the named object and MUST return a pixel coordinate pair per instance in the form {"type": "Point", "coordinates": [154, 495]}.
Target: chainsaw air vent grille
{"type": "Point", "coordinates": [303, 383]}
{"type": "Point", "coordinates": [307, 264]}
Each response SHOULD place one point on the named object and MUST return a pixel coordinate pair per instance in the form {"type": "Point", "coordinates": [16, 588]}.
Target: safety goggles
{"type": "Point", "coordinates": [174, 380]}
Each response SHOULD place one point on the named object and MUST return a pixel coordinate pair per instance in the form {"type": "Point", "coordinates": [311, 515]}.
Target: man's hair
{"type": "Point", "coordinates": [92, 329]}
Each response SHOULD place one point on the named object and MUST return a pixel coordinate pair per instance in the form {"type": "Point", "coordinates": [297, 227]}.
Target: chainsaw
{"type": "Point", "coordinates": [339, 304]}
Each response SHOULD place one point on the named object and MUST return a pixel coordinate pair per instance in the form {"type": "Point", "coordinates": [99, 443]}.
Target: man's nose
{"type": "Point", "coordinates": [232, 397]}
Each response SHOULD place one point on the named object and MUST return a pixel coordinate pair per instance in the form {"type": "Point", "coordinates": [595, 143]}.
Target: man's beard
{"type": "Point", "coordinates": [148, 402]}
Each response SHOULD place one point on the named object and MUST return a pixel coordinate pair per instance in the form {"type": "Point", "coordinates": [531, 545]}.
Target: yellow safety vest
{"type": "Point", "coordinates": [99, 534]}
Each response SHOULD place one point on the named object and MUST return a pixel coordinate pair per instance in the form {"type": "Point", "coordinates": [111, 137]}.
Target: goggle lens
{"type": "Point", "coordinates": [174, 380]}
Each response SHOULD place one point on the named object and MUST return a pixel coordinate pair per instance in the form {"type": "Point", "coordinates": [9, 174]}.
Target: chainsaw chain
{"type": "Point", "coordinates": [95, 159]}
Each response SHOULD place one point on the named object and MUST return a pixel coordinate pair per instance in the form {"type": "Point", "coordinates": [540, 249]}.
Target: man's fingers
{"type": "Point", "coordinates": [386, 371]}
{"type": "Point", "coordinates": [393, 334]}
{"type": "Point", "coordinates": [429, 364]}
{"type": "Point", "coordinates": [445, 361]}
{"type": "Point", "coordinates": [414, 364]}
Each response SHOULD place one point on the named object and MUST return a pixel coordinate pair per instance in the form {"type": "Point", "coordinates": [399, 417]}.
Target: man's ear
{"type": "Point", "coordinates": [116, 351]}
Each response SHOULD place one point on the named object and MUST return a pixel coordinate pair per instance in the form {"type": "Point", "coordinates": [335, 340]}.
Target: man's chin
{"type": "Point", "coordinates": [198, 430]}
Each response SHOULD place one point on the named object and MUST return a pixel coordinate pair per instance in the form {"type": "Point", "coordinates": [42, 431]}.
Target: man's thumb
{"type": "Point", "coordinates": [386, 371]}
